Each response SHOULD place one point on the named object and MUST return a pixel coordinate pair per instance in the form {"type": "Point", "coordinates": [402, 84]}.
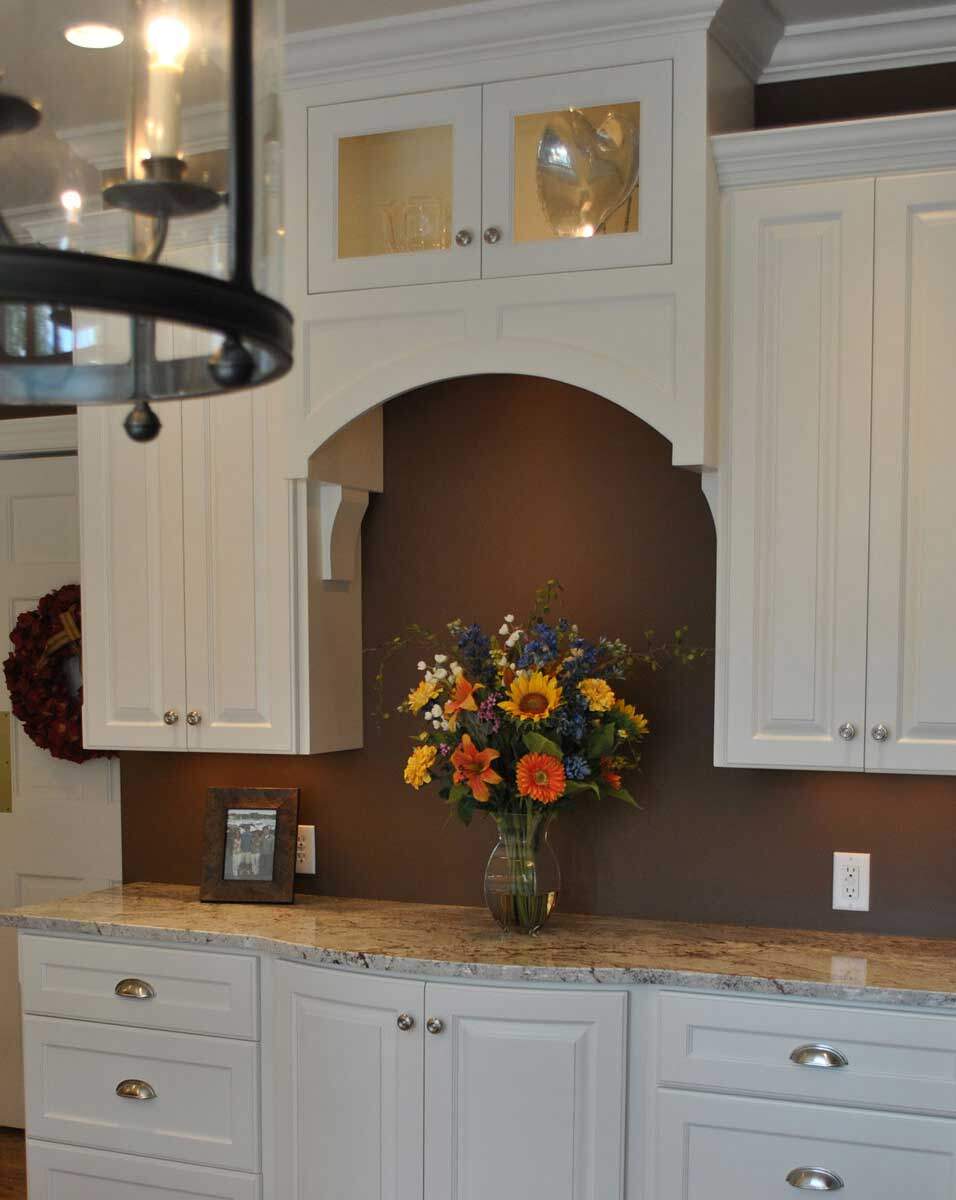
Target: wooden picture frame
{"type": "Point", "coordinates": [249, 842]}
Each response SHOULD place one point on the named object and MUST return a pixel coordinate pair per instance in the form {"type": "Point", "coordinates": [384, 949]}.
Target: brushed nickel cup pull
{"type": "Point", "coordinates": [170, 716]}
{"type": "Point", "coordinates": [817, 1054]}
{"type": "Point", "coordinates": [135, 1089]}
{"type": "Point", "coordinates": [405, 1022]}
{"type": "Point", "coordinates": [847, 731]}
{"type": "Point", "coordinates": [135, 989]}
{"type": "Point", "coordinates": [435, 1025]}
{"type": "Point", "coordinates": [814, 1179]}
{"type": "Point", "coordinates": [464, 237]}
{"type": "Point", "coordinates": [193, 717]}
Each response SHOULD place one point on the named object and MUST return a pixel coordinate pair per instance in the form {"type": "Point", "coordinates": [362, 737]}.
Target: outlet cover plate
{"type": "Point", "coordinates": [851, 881]}
{"type": "Point", "coordinates": [305, 850]}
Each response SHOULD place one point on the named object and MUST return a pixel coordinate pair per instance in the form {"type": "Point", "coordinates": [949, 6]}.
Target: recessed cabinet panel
{"type": "Point", "coordinates": [577, 171]}
{"type": "Point", "coordinates": [793, 544]}
{"type": "Point", "coordinates": [912, 641]}
{"type": "Point", "coordinates": [395, 191]}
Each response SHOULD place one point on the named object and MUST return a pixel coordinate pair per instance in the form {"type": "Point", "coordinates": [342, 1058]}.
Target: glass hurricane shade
{"type": "Point", "coordinates": [140, 205]}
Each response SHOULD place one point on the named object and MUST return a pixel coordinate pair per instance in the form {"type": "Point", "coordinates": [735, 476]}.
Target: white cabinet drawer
{"type": "Point", "coordinates": [730, 1148]}
{"type": "Point", "coordinates": [205, 1108]}
{"type": "Point", "coordinates": [896, 1060]}
{"type": "Point", "coordinates": [192, 991]}
{"type": "Point", "coordinates": [71, 1173]}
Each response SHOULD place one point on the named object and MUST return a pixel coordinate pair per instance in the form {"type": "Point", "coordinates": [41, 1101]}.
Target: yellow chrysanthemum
{"type": "Point", "coordinates": [418, 697]}
{"type": "Point", "coordinates": [418, 767]}
{"type": "Point", "coordinates": [598, 694]}
{"type": "Point", "coordinates": [638, 721]}
{"type": "Point", "coordinates": [534, 696]}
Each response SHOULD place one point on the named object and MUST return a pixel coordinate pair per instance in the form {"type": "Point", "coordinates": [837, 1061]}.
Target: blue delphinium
{"type": "Point", "coordinates": [576, 767]}
{"type": "Point", "coordinates": [475, 652]}
{"type": "Point", "coordinates": [541, 649]}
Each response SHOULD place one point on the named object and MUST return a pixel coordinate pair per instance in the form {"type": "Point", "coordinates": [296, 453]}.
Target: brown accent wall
{"type": "Point", "coordinates": [492, 485]}
{"type": "Point", "coordinates": [850, 97]}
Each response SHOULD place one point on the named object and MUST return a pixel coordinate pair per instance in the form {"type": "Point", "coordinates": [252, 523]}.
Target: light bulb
{"type": "Point", "coordinates": [167, 40]}
{"type": "Point", "coordinates": [72, 202]}
{"type": "Point", "coordinates": [586, 231]}
{"type": "Point", "coordinates": [92, 36]}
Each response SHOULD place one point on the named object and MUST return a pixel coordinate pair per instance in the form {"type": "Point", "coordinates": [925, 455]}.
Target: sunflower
{"type": "Point", "coordinates": [418, 697]}
{"type": "Point", "coordinates": [534, 697]}
{"type": "Point", "coordinates": [473, 766]}
{"type": "Point", "coordinates": [637, 722]}
{"type": "Point", "coordinates": [540, 776]}
{"type": "Point", "coordinates": [598, 694]}
{"type": "Point", "coordinates": [462, 700]}
{"type": "Point", "coordinates": [418, 767]}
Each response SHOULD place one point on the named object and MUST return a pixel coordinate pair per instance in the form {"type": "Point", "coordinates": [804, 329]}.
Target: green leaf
{"type": "Point", "coordinates": [623, 794]}
{"type": "Point", "coordinates": [537, 743]}
{"type": "Point", "coordinates": [458, 792]}
{"type": "Point", "coordinates": [582, 785]}
{"type": "Point", "coordinates": [601, 741]}
{"type": "Point", "coordinates": [466, 806]}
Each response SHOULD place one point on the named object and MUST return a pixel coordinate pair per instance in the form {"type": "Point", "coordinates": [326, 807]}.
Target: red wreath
{"type": "Point", "coordinates": [43, 682]}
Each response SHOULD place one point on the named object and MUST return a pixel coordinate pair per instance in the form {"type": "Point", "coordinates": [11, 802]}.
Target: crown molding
{"type": "Point", "coordinates": [22, 436]}
{"type": "Point", "coordinates": [883, 146]}
{"type": "Point", "coordinates": [486, 29]}
{"type": "Point", "coordinates": [907, 38]}
{"type": "Point", "coordinates": [749, 30]}
{"type": "Point", "coordinates": [205, 128]}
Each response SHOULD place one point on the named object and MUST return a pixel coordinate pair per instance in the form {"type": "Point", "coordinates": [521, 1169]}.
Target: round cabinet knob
{"type": "Point", "coordinates": [170, 716]}
{"type": "Point", "coordinates": [818, 1055]}
{"type": "Point", "coordinates": [848, 731]}
{"type": "Point", "coordinates": [193, 717]}
{"type": "Point", "coordinates": [464, 237]}
{"type": "Point", "coordinates": [814, 1179]}
{"type": "Point", "coordinates": [492, 235]}
{"type": "Point", "coordinates": [435, 1025]}
{"type": "Point", "coordinates": [879, 733]}
{"type": "Point", "coordinates": [135, 1089]}
{"type": "Point", "coordinates": [405, 1022]}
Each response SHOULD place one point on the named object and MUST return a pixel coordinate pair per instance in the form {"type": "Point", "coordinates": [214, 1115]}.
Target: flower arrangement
{"type": "Point", "coordinates": [523, 723]}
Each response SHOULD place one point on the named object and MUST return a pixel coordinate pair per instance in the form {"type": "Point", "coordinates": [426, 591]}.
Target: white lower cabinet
{"type": "Point", "coordinates": [74, 1173]}
{"type": "Point", "coordinates": [731, 1148]}
{"type": "Point", "coordinates": [523, 1090]}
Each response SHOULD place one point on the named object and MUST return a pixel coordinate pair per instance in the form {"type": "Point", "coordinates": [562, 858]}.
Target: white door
{"type": "Point", "coordinates": [391, 183]}
{"type": "Point", "coordinates": [238, 574]}
{"type": "Point", "coordinates": [912, 638]}
{"type": "Point", "coordinates": [347, 1086]}
{"type": "Point", "coordinates": [524, 1094]}
{"type": "Point", "coordinates": [60, 834]}
{"type": "Point", "coordinates": [622, 226]}
{"type": "Point", "coordinates": [792, 549]}
{"type": "Point", "coordinates": [134, 695]}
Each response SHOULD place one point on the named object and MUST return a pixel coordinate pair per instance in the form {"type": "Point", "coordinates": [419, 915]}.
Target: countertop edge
{"type": "Point", "coordinates": [506, 973]}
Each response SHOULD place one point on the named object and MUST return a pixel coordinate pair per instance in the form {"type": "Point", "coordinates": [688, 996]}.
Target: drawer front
{"type": "Point", "coordinates": [186, 990]}
{"type": "Point", "coordinates": [729, 1148]}
{"type": "Point", "coordinates": [71, 1173]}
{"type": "Point", "coordinates": [895, 1060]}
{"type": "Point", "coordinates": [205, 1107]}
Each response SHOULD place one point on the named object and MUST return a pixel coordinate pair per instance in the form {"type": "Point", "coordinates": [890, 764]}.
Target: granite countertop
{"type": "Point", "coordinates": [464, 943]}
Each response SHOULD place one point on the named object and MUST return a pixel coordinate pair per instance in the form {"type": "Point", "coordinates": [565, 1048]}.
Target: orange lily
{"type": "Point", "coordinates": [473, 766]}
{"type": "Point", "coordinates": [462, 700]}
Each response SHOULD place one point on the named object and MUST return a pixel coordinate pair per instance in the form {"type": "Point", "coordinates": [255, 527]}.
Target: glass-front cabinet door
{"type": "Point", "coordinates": [395, 191]}
{"type": "Point", "coordinates": [577, 171]}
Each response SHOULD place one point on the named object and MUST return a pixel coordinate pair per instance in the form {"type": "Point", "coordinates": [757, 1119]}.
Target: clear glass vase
{"type": "Point", "coordinates": [522, 878]}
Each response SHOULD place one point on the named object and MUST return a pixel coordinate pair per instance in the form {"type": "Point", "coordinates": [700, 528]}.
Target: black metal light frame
{"type": "Point", "coordinates": [257, 329]}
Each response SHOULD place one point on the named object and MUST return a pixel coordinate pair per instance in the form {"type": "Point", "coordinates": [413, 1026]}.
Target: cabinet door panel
{"type": "Point", "coordinates": [238, 572]}
{"type": "Point", "coordinates": [560, 196]}
{"type": "Point", "coordinates": [390, 184]}
{"type": "Point", "coordinates": [131, 523]}
{"type": "Point", "coordinates": [348, 1086]}
{"type": "Point", "coordinates": [795, 480]}
{"type": "Point", "coordinates": [524, 1095]}
{"type": "Point", "coordinates": [912, 637]}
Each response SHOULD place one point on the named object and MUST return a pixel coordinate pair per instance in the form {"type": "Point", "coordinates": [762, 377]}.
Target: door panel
{"type": "Point", "coordinates": [524, 1094]}
{"type": "Point", "coordinates": [795, 488]}
{"type": "Point", "coordinates": [912, 638]}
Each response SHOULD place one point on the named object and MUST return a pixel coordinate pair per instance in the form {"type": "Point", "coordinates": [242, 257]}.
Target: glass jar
{"type": "Point", "coordinates": [522, 878]}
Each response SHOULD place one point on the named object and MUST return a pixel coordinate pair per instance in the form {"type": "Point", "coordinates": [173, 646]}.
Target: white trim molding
{"type": "Point", "coordinates": [23, 436]}
{"type": "Point", "coordinates": [882, 146]}
{"type": "Point", "coordinates": [747, 29]}
{"type": "Point", "coordinates": [905, 38]}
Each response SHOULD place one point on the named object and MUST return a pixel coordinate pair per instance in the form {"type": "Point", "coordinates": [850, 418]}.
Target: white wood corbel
{"type": "Point", "coordinates": [341, 510]}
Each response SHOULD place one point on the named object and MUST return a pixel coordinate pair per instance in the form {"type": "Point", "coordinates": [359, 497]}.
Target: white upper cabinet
{"type": "Point", "coordinates": [549, 141]}
{"type": "Point", "coordinates": [912, 638]}
{"type": "Point", "coordinates": [795, 476]}
{"type": "Point", "coordinates": [519, 178]}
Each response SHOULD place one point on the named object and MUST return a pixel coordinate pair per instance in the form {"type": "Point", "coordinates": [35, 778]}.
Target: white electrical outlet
{"type": "Point", "coordinates": [305, 850]}
{"type": "Point", "coordinates": [851, 881]}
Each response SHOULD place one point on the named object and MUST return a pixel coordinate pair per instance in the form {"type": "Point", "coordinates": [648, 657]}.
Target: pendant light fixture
{"type": "Point", "coordinates": [140, 207]}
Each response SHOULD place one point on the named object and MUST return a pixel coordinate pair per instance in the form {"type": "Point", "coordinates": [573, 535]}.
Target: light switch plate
{"type": "Point", "coordinates": [851, 881]}
{"type": "Point", "coordinates": [305, 850]}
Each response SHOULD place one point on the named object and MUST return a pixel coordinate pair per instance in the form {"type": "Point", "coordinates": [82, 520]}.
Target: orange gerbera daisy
{"type": "Point", "coordinates": [473, 766]}
{"type": "Point", "coordinates": [462, 700]}
{"type": "Point", "coordinates": [533, 696]}
{"type": "Point", "coordinates": [541, 776]}
{"type": "Point", "coordinates": [608, 775]}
